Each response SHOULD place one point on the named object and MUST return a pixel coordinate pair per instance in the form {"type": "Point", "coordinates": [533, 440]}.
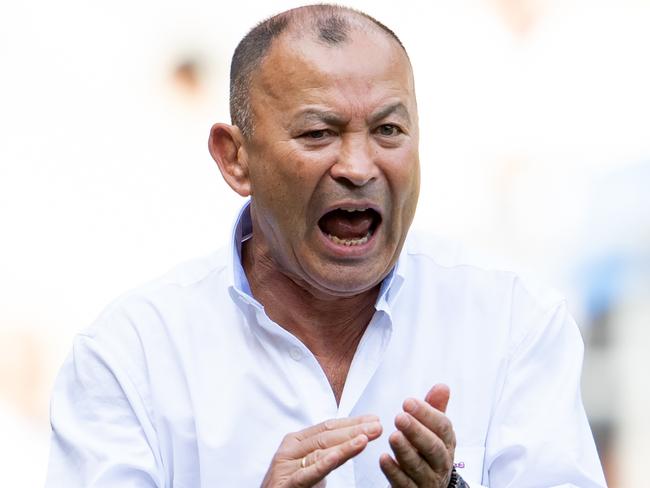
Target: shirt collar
{"type": "Point", "coordinates": [243, 230]}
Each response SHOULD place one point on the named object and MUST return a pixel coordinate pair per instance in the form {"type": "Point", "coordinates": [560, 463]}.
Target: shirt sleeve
{"type": "Point", "coordinates": [539, 435]}
{"type": "Point", "coordinates": [102, 434]}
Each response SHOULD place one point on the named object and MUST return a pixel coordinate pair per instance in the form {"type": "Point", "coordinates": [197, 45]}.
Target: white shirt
{"type": "Point", "coordinates": [187, 383]}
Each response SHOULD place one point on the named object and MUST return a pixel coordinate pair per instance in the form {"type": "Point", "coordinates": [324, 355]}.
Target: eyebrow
{"type": "Point", "coordinates": [334, 119]}
{"type": "Point", "coordinates": [313, 115]}
{"type": "Point", "coordinates": [397, 108]}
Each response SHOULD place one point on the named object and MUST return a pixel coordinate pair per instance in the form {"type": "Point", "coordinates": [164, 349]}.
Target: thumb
{"type": "Point", "coordinates": [438, 397]}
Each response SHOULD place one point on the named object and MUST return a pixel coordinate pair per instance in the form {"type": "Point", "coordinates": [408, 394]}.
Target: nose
{"type": "Point", "coordinates": [355, 165]}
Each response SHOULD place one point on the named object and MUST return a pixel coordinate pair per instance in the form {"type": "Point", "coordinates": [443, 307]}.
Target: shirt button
{"type": "Point", "coordinates": [295, 353]}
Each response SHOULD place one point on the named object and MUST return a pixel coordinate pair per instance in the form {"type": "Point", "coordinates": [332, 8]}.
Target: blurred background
{"type": "Point", "coordinates": [535, 134]}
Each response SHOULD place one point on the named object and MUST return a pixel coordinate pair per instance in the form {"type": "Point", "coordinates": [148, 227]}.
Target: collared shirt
{"type": "Point", "coordinates": [187, 382]}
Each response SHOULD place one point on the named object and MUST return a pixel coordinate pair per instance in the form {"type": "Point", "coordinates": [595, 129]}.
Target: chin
{"type": "Point", "coordinates": [346, 281]}
{"type": "Point", "coordinates": [334, 270]}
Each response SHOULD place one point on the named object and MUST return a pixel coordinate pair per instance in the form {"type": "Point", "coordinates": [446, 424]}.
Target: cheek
{"type": "Point", "coordinates": [282, 184]}
{"type": "Point", "coordinates": [269, 175]}
{"type": "Point", "coordinates": [296, 173]}
{"type": "Point", "coordinates": [403, 174]}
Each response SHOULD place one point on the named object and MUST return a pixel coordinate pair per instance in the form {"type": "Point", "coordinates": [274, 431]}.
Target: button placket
{"type": "Point", "coordinates": [303, 368]}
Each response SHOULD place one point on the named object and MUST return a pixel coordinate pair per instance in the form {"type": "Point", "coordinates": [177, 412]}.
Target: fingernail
{"type": "Point", "coordinates": [369, 418]}
{"type": "Point", "coordinates": [396, 437]}
{"type": "Point", "coordinates": [410, 405]}
{"type": "Point", "coordinates": [402, 420]}
{"type": "Point", "coordinates": [372, 428]}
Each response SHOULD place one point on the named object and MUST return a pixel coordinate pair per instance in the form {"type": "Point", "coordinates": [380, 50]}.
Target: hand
{"type": "Point", "coordinates": [423, 444]}
{"type": "Point", "coordinates": [304, 458]}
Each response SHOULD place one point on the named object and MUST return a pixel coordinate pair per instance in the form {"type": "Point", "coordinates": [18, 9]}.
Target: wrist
{"type": "Point", "coordinates": [456, 481]}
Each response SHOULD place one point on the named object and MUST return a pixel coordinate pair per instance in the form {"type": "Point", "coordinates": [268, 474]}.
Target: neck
{"type": "Point", "coordinates": [329, 326]}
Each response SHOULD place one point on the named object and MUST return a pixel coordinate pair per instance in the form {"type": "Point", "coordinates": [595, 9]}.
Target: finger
{"type": "Point", "coordinates": [433, 419]}
{"type": "Point", "coordinates": [427, 444]}
{"type": "Point", "coordinates": [333, 424]}
{"type": "Point", "coordinates": [330, 438]}
{"type": "Point", "coordinates": [394, 474]}
{"type": "Point", "coordinates": [438, 397]}
{"type": "Point", "coordinates": [329, 461]}
{"type": "Point", "coordinates": [410, 461]}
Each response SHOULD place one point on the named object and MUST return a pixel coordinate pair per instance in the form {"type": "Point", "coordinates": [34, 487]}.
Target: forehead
{"type": "Point", "coordinates": [365, 68]}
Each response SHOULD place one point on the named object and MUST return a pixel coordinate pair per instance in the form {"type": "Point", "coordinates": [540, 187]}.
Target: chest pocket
{"type": "Point", "coordinates": [469, 462]}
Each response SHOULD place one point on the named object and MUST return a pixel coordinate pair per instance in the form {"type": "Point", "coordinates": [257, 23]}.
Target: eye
{"type": "Point", "coordinates": [389, 130]}
{"type": "Point", "coordinates": [316, 134]}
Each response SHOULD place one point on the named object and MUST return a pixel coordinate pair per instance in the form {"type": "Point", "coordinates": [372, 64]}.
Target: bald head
{"type": "Point", "coordinates": [327, 24]}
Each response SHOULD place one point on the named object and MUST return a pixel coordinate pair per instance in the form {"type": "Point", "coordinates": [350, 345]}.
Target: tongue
{"type": "Point", "coordinates": [346, 225]}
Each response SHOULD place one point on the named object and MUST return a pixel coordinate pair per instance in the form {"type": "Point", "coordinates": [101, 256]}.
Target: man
{"type": "Point", "coordinates": [319, 347]}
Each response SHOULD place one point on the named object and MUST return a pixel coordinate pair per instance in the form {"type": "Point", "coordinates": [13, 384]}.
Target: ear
{"type": "Point", "coordinates": [226, 145]}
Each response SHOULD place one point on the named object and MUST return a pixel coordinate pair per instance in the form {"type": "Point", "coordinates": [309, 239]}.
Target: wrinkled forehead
{"type": "Point", "coordinates": [299, 60]}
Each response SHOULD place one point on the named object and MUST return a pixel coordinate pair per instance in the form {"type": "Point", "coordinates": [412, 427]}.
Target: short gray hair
{"type": "Point", "coordinates": [330, 23]}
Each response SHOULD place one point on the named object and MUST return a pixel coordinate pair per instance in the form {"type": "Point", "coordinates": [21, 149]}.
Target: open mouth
{"type": "Point", "coordinates": [349, 227]}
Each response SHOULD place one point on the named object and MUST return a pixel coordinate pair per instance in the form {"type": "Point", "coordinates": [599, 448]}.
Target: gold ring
{"type": "Point", "coordinates": [303, 462]}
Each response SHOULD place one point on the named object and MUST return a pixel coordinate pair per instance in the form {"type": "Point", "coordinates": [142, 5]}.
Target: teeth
{"type": "Point", "coordinates": [354, 209]}
{"type": "Point", "coordinates": [349, 242]}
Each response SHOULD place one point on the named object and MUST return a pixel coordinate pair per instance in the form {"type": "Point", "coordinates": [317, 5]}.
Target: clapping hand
{"type": "Point", "coordinates": [423, 444]}
{"type": "Point", "coordinates": [304, 458]}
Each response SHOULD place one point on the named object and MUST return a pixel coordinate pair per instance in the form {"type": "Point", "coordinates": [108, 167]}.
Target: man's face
{"type": "Point", "coordinates": [333, 161]}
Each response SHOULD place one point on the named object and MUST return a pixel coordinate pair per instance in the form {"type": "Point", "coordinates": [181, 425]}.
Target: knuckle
{"type": "Point", "coordinates": [283, 449]}
{"type": "Point", "coordinates": [315, 456]}
{"type": "Point", "coordinates": [323, 467]}
{"type": "Point", "coordinates": [298, 481]}
{"type": "Point", "coordinates": [329, 424]}
{"type": "Point", "coordinates": [282, 455]}
{"type": "Point", "coordinates": [452, 444]}
{"type": "Point", "coordinates": [447, 435]}
{"type": "Point", "coordinates": [307, 477]}
{"type": "Point", "coordinates": [446, 429]}
{"type": "Point", "coordinates": [421, 467]}
{"type": "Point", "coordinates": [320, 442]}
{"type": "Point", "coordinates": [439, 450]}
{"type": "Point", "coordinates": [287, 447]}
